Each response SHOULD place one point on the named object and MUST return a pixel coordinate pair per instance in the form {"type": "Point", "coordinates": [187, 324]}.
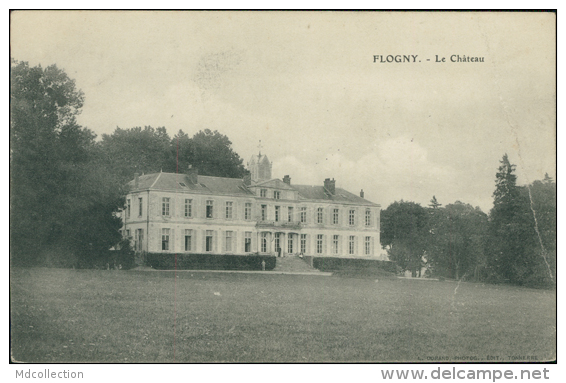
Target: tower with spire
{"type": "Point", "coordinates": [259, 166]}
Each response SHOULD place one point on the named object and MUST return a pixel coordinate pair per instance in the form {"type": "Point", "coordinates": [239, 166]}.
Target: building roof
{"type": "Point", "coordinates": [309, 192]}
{"type": "Point", "coordinates": [272, 183]}
{"type": "Point", "coordinates": [236, 186]}
{"type": "Point", "coordinates": [180, 182]}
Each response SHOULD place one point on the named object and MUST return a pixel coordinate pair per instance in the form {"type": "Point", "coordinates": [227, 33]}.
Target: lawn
{"type": "Point", "coordinates": [135, 316]}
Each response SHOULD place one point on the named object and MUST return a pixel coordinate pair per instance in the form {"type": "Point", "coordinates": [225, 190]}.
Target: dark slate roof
{"type": "Point", "coordinates": [231, 186]}
{"type": "Point", "coordinates": [309, 192]}
{"type": "Point", "coordinates": [180, 182]}
{"type": "Point", "coordinates": [273, 183]}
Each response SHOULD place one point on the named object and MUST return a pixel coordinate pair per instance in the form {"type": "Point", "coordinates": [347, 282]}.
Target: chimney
{"type": "Point", "coordinates": [330, 185]}
{"type": "Point", "coordinates": [136, 180]}
{"type": "Point", "coordinates": [287, 180]}
{"type": "Point", "coordinates": [248, 179]}
{"type": "Point", "coordinates": [362, 193]}
{"type": "Point", "coordinates": [192, 174]}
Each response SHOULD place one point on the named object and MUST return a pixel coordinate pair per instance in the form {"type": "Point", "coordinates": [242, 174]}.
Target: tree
{"type": "Point", "coordinates": [456, 240]}
{"type": "Point", "coordinates": [404, 230]}
{"type": "Point", "coordinates": [542, 197]}
{"type": "Point", "coordinates": [59, 202]}
{"type": "Point", "coordinates": [138, 150]}
{"type": "Point", "coordinates": [516, 250]}
{"type": "Point", "coordinates": [150, 150]}
{"type": "Point", "coordinates": [213, 155]}
{"type": "Point", "coordinates": [434, 203]}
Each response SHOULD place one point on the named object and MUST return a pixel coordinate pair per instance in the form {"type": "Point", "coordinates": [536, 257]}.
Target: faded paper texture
{"type": "Point", "coordinates": [404, 105]}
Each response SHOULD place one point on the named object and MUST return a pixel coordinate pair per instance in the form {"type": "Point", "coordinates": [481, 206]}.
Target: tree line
{"type": "Point", "coordinates": [515, 243]}
{"type": "Point", "coordinates": [66, 186]}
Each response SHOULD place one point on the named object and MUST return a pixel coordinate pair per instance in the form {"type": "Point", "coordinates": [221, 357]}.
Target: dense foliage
{"type": "Point", "coordinates": [150, 150]}
{"type": "Point", "coordinates": [516, 243]}
{"type": "Point", "coordinates": [404, 233]}
{"type": "Point", "coordinates": [522, 230]}
{"type": "Point", "coordinates": [61, 200]}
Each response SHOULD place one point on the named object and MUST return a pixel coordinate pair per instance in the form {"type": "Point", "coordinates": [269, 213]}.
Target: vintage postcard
{"type": "Point", "coordinates": [284, 186]}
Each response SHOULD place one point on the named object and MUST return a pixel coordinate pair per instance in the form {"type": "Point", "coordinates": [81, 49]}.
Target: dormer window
{"type": "Point", "coordinates": [263, 193]}
{"type": "Point", "coordinates": [276, 195]}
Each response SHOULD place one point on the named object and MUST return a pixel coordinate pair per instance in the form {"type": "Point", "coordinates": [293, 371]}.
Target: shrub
{"type": "Point", "coordinates": [166, 261]}
{"type": "Point", "coordinates": [352, 264]}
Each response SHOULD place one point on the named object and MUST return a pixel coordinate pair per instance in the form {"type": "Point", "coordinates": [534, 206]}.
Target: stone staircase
{"type": "Point", "coordinates": [293, 264]}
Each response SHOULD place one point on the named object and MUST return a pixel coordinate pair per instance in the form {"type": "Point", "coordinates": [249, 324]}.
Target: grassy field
{"type": "Point", "coordinates": [135, 316]}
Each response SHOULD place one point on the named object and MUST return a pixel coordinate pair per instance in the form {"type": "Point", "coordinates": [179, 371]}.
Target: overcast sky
{"type": "Point", "coordinates": [307, 86]}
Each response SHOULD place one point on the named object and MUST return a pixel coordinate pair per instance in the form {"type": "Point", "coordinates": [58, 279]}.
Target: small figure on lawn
{"type": "Point", "coordinates": [263, 265]}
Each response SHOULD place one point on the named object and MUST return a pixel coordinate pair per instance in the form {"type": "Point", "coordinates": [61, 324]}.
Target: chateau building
{"type": "Point", "coordinates": [191, 213]}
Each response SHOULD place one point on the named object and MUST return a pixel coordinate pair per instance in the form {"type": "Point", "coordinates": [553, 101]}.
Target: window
{"type": "Point", "coordinates": [335, 244]}
{"type": "Point", "coordinates": [188, 239]}
{"type": "Point", "coordinates": [228, 241]}
{"type": "Point", "coordinates": [263, 193]}
{"type": "Point", "coordinates": [165, 206]}
{"type": "Point", "coordinates": [303, 243]}
{"type": "Point", "coordinates": [290, 244]}
{"type": "Point", "coordinates": [188, 208]}
{"type": "Point", "coordinates": [276, 195]}
{"type": "Point", "coordinates": [248, 242]}
{"type": "Point", "coordinates": [351, 245]}
{"type": "Point", "coordinates": [229, 205]}
{"type": "Point", "coordinates": [128, 208]}
{"type": "Point", "coordinates": [335, 217]}
{"type": "Point", "coordinates": [248, 211]}
{"type": "Point", "coordinates": [290, 214]}
{"type": "Point", "coordinates": [139, 240]}
{"type": "Point", "coordinates": [128, 234]}
{"type": "Point", "coordinates": [277, 211]}
{"type": "Point", "coordinates": [140, 206]}
{"type": "Point", "coordinates": [263, 212]}
{"type": "Point", "coordinates": [208, 244]}
{"type": "Point", "coordinates": [368, 217]}
{"type": "Point", "coordinates": [164, 239]}
{"type": "Point", "coordinates": [277, 242]}
{"type": "Point", "coordinates": [368, 245]}
{"type": "Point", "coordinates": [319, 239]}
{"type": "Point", "coordinates": [209, 208]}
{"type": "Point", "coordinates": [319, 215]}
{"type": "Point", "coordinates": [303, 215]}
{"type": "Point", "coordinates": [264, 242]}
{"type": "Point", "coordinates": [352, 217]}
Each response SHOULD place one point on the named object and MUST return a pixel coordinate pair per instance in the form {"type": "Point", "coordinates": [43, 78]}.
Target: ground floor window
{"type": "Point", "coordinates": [368, 245]}
{"type": "Point", "coordinates": [188, 239]}
{"type": "Point", "coordinates": [319, 239]}
{"type": "Point", "coordinates": [278, 243]}
{"type": "Point", "coordinates": [335, 244]}
{"type": "Point", "coordinates": [248, 242]}
{"type": "Point", "coordinates": [139, 240]}
{"type": "Point", "coordinates": [352, 245]}
{"type": "Point", "coordinates": [208, 244]}
{"type": "Point", "coordinates": [290, 244]}
{"type": "Point", "coordinates": [303, 243]}
{"type": "Point", "coordinates": [165, 239]}
{"type": "Point", "coordinates": [264, 242]}
{"type": "Point", "coordinates": [229, 241]}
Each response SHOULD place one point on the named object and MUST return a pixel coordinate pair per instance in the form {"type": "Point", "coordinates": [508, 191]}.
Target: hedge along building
{"type": "Point", "coordinates": [191, 213]}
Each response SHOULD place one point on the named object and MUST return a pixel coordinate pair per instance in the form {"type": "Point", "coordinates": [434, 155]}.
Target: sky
{"type": "Point", "coordinates": [309, 87]}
